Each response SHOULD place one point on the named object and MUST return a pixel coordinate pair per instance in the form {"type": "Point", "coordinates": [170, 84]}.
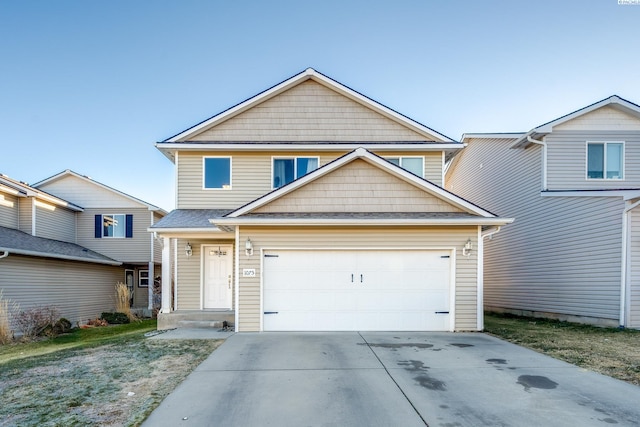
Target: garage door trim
{"type": "Point", "coordinates": [452, 267]}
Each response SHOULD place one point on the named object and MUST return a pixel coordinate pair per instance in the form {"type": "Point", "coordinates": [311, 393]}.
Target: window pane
{"type": "Point", "coordinates": [113, 225]}
{"type": "Point", "coordinates": [305, 165]}
{"type": "Point", "coordinates": [413, 165]}
{"type": "Point", "coordinates": [394, 160]}
{"type": "Point", "coordinates": [614, 161]}
{"type": "Point", "coordinates": [217, 172]}
{"type": "Point", "coordinates": [595, 161]}
{"type": "Point", "coordinates": [282, 172]}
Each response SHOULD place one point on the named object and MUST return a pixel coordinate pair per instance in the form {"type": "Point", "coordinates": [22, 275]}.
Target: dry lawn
{"type": "Point", "coordinates": [117, 384]}
{"type": "Point", "coordinates": [609, 351]}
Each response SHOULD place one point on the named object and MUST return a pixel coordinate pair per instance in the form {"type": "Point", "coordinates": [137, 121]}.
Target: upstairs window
{"type": "Point", "coordinates": [217, 173]}
{"type": "Point", "coordinates": [605, 160]}
{"type": "Point", "coordinates": [415, 165]}
{"type": "Point", "coordinates": [287, 169]}
{"type": "Point", "coordinates": [113, 226]}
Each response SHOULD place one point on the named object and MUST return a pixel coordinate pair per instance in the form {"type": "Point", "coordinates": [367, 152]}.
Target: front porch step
{"type": "Point", "coordinates": [196, 319]}
{"type": "Point", "coordinates": [204, 324]}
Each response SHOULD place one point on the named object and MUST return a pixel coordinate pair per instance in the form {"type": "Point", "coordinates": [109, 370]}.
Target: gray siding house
{"type": "Point", "coordinates": [573, 185]}
{"type": "Point", "coordinates": [51, 253]}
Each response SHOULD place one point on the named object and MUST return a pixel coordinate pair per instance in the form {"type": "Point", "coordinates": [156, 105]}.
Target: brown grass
{"type": "Point", "coordinates": [123, 296]}
{"type": "Point", "coordinates": [609, 351]}
{"type": "Point", "coordinates": [6, 307]}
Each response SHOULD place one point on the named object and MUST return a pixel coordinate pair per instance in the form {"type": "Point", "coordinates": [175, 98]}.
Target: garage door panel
{"type": "Point", "coordinates": [314, 290]}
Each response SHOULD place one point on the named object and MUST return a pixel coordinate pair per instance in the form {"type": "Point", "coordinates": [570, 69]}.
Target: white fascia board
{"type": "Point", "coordinates": [498, 135]}
{"type": "Point", "coordinates": [57, 256]}
{"type": "Point", "coordinates": [12, 191]}
{"type": "Point", "coordinates": [208, 230]}
{"type": "Point", "coordinates": [268, 146]}
{"type": "Point", "coordinates": [625, 194]}
{"type": "Point", "coordinates": [353, 222]}
{"type": "Point", "coordinates": [59, 202]}
{"type": "Point", "coordinates": [307, 74]}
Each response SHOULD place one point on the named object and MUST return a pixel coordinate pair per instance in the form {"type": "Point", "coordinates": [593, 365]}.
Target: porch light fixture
{"type": "Point", "coordinates": [466, 250]}
{"type": "Point", "coordinates": [188, 250]}
{"type": "Point", "coordinates": [248, 247]}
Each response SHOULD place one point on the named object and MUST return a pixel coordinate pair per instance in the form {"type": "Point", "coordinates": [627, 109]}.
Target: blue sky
{"type": "Point", "coordinates": [91, 86]}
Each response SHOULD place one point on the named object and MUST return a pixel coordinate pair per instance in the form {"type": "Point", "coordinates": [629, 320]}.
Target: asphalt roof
{"type": "Point", "coordinates": [17, 242]}
{"type": "Point", "coordinates": [190, 218]}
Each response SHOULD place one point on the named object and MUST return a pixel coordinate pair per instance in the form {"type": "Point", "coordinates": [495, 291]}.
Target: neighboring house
{"type": "Point", "coordinates": [574, 186]}
{"type": "Point", "coordinates": [311, 207]}
{"type": "Point", "coordinates": [115, 224]}
{"type": "Point", "coordinates": [40, 261]}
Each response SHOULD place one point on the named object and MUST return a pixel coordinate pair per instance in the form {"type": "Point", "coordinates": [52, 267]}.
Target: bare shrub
{"type": "Point", "coordinates": [6, 308]}
{"type": "Point", "coordinates": [36, 320]}
{"type": "Point", "coordinates": [123, 296]}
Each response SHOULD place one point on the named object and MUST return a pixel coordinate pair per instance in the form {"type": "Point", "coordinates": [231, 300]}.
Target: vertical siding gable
{"type": "Point", "coordinates": [358, 187]}
{"type": "Point", "coordinates": [309, 112]}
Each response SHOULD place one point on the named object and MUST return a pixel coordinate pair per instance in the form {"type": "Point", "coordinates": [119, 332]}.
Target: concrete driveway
{"type": "Point", "coordinates": [391, 379]}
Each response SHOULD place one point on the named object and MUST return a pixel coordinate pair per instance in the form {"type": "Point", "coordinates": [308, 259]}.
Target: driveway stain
{"type": "Point", "coordinates": [608, 420]}
{"type": "Point", "coordinates": [536, 381]}
{"type": "Point", "coordinates": [431, 383]}
{"type": "Point", "coordinates": [461, 345]}
{"type": "Point", "coordinates": [395, 347]}
{"type": "Point", "coordinates": [424, 380]}
{"type": "Point", "coordinates": [497, 361]}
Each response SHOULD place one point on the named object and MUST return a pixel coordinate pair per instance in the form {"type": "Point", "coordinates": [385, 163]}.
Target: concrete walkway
{"type": "Point", "coordinates": [391, 379]}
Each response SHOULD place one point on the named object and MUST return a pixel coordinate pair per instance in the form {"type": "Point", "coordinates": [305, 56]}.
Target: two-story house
{"type": "Point", "coordinates": [574, 186]}
{"type": "Point", "coordinates": [70, 254]}
{"type": "Point", "coordinates": [115, 224]}
{"type": "Point", "coordinates": [311, 207]}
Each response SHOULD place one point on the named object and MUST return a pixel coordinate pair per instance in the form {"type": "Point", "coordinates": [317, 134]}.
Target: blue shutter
{"type": "Point", "coordinates": [98, 228]}
{"type": "Point", "coordinates": [129, 230]}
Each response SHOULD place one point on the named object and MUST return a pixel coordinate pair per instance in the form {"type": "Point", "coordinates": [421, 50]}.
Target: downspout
{"type": "Point", "coordinates": [544, 160]}
{"type": "Point", "coordinates": [4, 254]}
{"type": "Point", "coordinates": [480, 297]}
{"type": "Point", "coordinates": [623, 272]}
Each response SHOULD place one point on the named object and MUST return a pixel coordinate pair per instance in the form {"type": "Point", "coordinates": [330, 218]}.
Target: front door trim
{"type": "Point", "coordinates": [204, 248]}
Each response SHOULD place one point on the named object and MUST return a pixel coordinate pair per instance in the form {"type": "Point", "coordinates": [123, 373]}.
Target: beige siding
{"type": "Point", "coordinates": [309, 112]}
{"type": "Point", "coordinates": [87, 194]}
{"type": "Point", "coordinates": [365, 238]}
{"type": "Point", "coordinates": [134, 250]}
{"type": "Point", "coordinates": [561, 255]}
{"type": "Point", "coordinates": [358, 187]}
{"type": "Point", "coordinates": [634, 269]}
{"type": "Point", "coordinates": [567, 160]}
{"type": "Point", "coordinates": [81, 291]}
{"type": "Point", "coordinates": [8, 211]}
{"type": "Point", "coordinates": [54, 222]}
{"type": "Point", "coordinates": [605, 118]}
{"type": "Point", "coordinates": [252, 176]}
{"type": "Point", "coordinates": [190, 273]}
{"type": "Point", "coordinates": [25, 219]}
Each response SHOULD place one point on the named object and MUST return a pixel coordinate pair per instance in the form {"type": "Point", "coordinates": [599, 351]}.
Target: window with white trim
{"type": "Point", "coordinates": [216, 173]}
{"type": "Point", "coordinates": [415, 165]}
{"type": "Point", "coordinates": [287, 169]}
{"type": "Point", "coordinates": [605, 160]}
{"type": "Point", "coordinates": [113, 226]}
{"type": "Point", "coordinates": [143, 278]}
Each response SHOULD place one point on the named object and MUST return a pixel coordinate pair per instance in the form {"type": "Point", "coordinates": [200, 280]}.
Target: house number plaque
{"type": "Point", "coordinates": [248, 272]}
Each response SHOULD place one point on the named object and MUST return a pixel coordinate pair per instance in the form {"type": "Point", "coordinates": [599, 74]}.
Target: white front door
{"type": "Point", "coordinates": [218, 267]}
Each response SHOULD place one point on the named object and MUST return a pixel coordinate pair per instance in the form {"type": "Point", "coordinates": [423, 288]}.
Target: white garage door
{"type": "Point", "coordinates": [368, 290]}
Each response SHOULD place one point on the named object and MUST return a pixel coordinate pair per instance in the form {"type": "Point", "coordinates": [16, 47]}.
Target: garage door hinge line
{"type": "Point", "coordinates": [394, 381]}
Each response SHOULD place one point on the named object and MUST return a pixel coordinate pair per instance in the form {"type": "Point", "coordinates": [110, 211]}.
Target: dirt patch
{"type": "Point", "coordinates": [112, 385]}
{"type": "Point", "coordinates": [609, 351]}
